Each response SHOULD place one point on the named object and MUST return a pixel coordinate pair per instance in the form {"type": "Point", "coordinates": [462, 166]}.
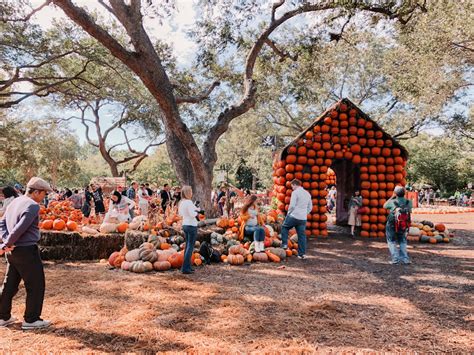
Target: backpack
{"type": "Point", "coordinates": [402, 216]}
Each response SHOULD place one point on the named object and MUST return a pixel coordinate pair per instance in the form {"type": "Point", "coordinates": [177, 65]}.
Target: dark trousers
{"type": "Point", "coordinates": [23, 263]}
{"type": "Point", "coordinates": [190, 233]}
{"type": "Point", "coordinates": [300, 226]}
{"type": "Point", "coordinates": [257, 232]}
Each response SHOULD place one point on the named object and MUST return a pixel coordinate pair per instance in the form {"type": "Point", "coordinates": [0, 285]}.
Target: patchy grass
{"type": "Point", "coordinates": [345, 297]}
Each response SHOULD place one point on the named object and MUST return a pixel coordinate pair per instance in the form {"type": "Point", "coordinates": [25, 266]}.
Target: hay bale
{"type": "Point", "coordinates": [61, 245]}
{"type": "Point", "coordinates": [55, 238]}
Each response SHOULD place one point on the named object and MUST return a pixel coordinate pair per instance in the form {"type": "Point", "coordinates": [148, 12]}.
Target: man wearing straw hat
{"type": "Point", "coordinates": [20, 233]}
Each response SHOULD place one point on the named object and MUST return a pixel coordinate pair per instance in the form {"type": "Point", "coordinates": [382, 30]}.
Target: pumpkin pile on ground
{"type": "Point", "coordinates": [158, 253]}
{"type": "Point", "coordinates": [343, 132]}
{"type": "Point", "coordinates": [428, 232]}
{"type": "Point", "coordinates": [229, 242]}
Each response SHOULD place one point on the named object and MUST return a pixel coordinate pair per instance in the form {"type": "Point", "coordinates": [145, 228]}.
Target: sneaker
{"type": "Point", "coordinates": [39, 324]}
{"type": "Point", "coordinates": [6, 323]}
{"type": "Point", "coordinates": [406, 262]}
{"type": "Point", "coordinates": [302, 257]}
{"type": "Point", "coordinates": [284, 246]}
{"type": "Point", "coordinates": [394, 262]}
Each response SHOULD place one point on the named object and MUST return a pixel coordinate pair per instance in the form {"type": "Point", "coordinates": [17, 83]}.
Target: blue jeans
{"type": "Point", "coordinates": [394, 238]}
{"type": "Point", "coordinates": [257, 231]}
{"type": "Point", "coordinates": [190, 233]}
{"type": "Point", "coordinates": [300, 226]}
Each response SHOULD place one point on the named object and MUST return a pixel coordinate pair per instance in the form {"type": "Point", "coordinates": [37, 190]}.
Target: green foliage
{"type": "Point", "coordinates": [242, 141]}
{"type": "Point", "coordinates": [446, 163]}
{"type": "Point", "coordinates": [156, 169]}
{"type": "Point", "coordinates": [38, 148]}
{"type": "Point", "coordinates": [244, 175]}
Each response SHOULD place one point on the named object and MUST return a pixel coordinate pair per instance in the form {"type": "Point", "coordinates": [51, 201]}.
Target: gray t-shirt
{"type": "Point", "coordinates": [19, 226]}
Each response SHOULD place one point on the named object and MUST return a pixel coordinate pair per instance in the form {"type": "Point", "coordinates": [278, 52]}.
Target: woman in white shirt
{"type": "Point", "coordinates": [120, 206]}
{"type": "Point", "coordinates": [188, 211]}
{"type": "Point", "coordinates": [143, 198]}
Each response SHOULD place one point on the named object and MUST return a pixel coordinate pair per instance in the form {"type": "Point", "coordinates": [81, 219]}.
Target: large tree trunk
{"type": "Point", "coordinates": [185, 168]}
{"type": "Point", "coordinates": [114, 169]}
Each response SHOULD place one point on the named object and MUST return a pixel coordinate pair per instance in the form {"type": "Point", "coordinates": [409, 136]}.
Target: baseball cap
{"type": "Point", "coordinates": [39, 184]}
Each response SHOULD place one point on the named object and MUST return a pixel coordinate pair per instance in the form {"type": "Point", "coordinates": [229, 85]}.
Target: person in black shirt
{"type": "Point", "coordinates": [98, 199]}
{"type": "Point", "coordinates": [165, 196]}
{"type": "Point", "coordinates": [150, 191]}
{"type": "Point", "coordinates": [87, 202]}
{"type": "Point", "coordinates": [122, 191]}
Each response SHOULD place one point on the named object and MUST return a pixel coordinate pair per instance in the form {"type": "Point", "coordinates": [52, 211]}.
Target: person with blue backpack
{"type": "Point", "coordinates": [398, 223]}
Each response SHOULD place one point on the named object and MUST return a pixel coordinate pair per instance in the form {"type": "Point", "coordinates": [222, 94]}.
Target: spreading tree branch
{"type": "Point", "coordinates": [337, 36]}
{"type": "Point", "coordinates": [280, 53]}
{"type": "Point", "coordinates": [86, 126]}
{"type": "Point", "coordinates": [275, 6]}
{"type": "Point", "coordinates": [198, 98]}
{"type": "Point", "coordinates": [44, 90]}
{"type": "Point", "coordinates": [27, 17]}
{"type": "Point", "coordinates": [82, 18]}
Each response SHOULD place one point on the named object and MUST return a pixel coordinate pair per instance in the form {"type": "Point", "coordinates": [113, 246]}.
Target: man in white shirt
{"type": "Point", "coordinates": [300, 207]}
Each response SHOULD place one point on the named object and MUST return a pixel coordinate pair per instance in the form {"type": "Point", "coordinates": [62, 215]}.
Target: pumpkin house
{"type": "Point", "coordinates": [342, 147]}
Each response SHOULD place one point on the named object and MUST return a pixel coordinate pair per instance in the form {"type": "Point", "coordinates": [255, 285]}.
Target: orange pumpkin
{"type": "Point", "coordinates": [71, 226]}
{"type": "Point", "coordinates": [165, 246]}
{"type": "Point", "coordinates": [47, 224]}
{"type": "Point", "coordinates": [290, 159]}
{"type": "Point", "coordinates": [59, 224]}
{"type": "Point", "coordinates": [176, 260]}
{"type": "Point", "coordinates": [122, 227]}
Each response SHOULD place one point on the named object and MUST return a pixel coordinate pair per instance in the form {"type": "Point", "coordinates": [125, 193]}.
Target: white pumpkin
{"type": "Point", "coordinates": [89, 230]}
{"type": "Point", "coordinates": [415, 231]}
{"type": "Point", "coordinates": [133, 255]}
{"type": "Point", "coordinates": [163, 255]}
{"type": "Point", "coordinates": [134, 225]}
{"type": "Point", "coordinates": [108, 227]}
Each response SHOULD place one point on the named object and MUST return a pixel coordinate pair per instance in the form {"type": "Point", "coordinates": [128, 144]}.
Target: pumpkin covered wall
{"type": "Point", "coordinates": [345, 140]}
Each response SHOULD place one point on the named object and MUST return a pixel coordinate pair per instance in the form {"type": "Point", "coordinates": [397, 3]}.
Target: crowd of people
{"type": "Point", "coordinates": [91, 200]}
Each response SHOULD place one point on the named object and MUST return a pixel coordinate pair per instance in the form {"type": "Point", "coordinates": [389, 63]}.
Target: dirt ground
{"type": "Point", "coordinates": [345, 297]}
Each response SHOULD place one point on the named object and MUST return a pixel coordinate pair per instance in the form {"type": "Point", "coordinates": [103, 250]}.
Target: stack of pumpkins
{"type": "Point", "coordinates": [330, 177]}
{"type": "Point", "coordinates": [156, 254]}
{"type": "Point", "coordinates": [341, 133]}
{"type": "Point", "coordinates": [428, 232]}
{"type": "Point", "coordinates": [240, 253]}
